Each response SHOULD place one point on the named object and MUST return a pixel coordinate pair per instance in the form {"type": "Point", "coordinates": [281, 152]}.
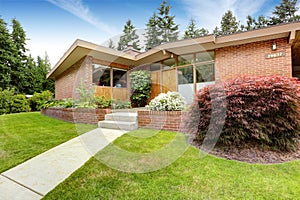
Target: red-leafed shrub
{"type": "Point", "coordinates": [264, 110]}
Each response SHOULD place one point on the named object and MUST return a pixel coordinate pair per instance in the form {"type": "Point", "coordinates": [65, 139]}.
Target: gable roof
{"type": "Point", "coordinates": [80, 48]}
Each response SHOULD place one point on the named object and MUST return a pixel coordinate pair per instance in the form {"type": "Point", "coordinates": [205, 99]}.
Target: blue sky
{"type": "Point", "coordinates": [53, 25]}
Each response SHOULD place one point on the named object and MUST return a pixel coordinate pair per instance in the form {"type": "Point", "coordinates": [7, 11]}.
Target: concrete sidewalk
{"type": "Point", "coordinates": [36, 177]}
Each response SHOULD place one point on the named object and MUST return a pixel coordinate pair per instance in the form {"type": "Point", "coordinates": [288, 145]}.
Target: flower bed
{"type": "Point", "coordinates": [162, 120]}
{"type": "Point", "coordinates": [77, 115]}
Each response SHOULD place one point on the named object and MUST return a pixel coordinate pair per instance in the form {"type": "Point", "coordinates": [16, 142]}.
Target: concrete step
{"type": "Point", "coordinates": [121, 125]}
{"type": "Point", "coordinates": [122, 117]}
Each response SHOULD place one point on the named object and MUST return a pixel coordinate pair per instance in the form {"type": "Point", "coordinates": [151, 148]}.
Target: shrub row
{"type": "Point", "coordinates": [10, 102]}
{"type": "Point", "coordinates": [263, 110]}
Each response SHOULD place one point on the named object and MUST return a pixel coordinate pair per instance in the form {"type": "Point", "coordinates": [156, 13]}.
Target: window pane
{"type": "Point", "coordinates": [185, 75]}
{"type": "Point", "coordinates": [101, 75]}
{"type": "Point", "coordinates": [205, 56]}
{"type": "Point", "coordinates": [168, 64]}
{"type": "Point", "coordinates": [185, 59]}
{"type": "Point", "coordinates": [120, 78]}
{"type": "Point", "coordinates": [205, 73]}
{"type": "Point", "coordinates": [155, 67]}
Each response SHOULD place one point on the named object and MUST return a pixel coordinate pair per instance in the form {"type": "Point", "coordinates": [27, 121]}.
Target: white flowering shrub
{"type": "Point", "coordinates": [167, 102]}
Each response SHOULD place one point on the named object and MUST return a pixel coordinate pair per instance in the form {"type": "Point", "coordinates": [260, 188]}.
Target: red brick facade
{"type": "Point", "coordinates": [68, 81]}
{"type": "Point", "coordinates": [250, 59]}
{"type": "Point", "coordinates": [77, 115]}
{"type": "Point", "coordinates": [161, 120]}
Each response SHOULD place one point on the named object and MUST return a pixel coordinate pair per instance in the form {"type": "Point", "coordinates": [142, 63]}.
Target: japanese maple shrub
{"type": "Point", "coordinates": [263, 110]}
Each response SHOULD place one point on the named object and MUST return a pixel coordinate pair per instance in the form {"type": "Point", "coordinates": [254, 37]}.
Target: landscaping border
{"type": "Point", "coordinates": [77, 115]}
{"type": "Point", "coordinates": [162, 120]}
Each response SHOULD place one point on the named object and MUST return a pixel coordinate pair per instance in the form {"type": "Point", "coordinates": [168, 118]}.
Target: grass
{"type": "Point", "coordinates": [25, 135]}
{"type": "Point", "coordinates": [189, 177]}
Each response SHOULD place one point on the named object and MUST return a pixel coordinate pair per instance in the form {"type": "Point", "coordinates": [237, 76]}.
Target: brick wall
{"type": "Point", "coordinates": [68, 81]}
{"type": "Point", "coordinates": [77, 115]}
{"type": "Point", "coordinates": [250, 59]}
{"type": "Point", "coordinates": [161, 120]}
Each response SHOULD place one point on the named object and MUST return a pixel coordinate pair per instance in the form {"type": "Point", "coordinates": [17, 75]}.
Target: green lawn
{"type": "Point", "coordinates": [189, 177]}
{"type": "Point", "coordinates": [25, 135]}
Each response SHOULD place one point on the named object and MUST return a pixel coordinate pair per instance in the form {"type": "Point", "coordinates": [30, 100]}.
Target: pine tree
{"type": "Point", "coordinates": [250, 23]}
{"type": "Point", "coordinates": [261, 22]}
{"type": "Point", "coordinates": [7, 59]}
{"type": "Point", "coordinates": [168, 28]}
{"type": "Point", "coordinates": [285, 12]}
{"type": "Point", "coordinates": [111, 44]}
{"type": "Point", "coordinates": [30, 82]}
{"type": "Point", "coordinates": [44, 67]}
{"type": "Point", "coordinates": [152, 33]}
{"type": "Point", "coordinates": [203, 32]}
{"type": "Point", "coordinates": [18, 37]}
{"type": "Point", "coordinates": [129, 37]}
{"type": "Point", "coordinates": [192, 31]}
{"type": "Point", "coordinates": [216, 31]}
{"type": "Point", "coordinates": [229, 24]}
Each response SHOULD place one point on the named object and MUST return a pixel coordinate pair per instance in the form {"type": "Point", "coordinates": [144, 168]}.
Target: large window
{"type": "Point", "coordinates": [185, 75]}
{"type": "Point", "coordinates": [101, 75]}
{"type": "Point", "coordinates": [185, 59]}
{"type": "Point", "coordinates": [119, 78]}
{"type": "Point", "coordinates": [205, 72]}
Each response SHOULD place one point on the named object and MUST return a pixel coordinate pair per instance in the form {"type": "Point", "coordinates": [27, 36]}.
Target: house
{"type": "Point", "coordinates": [183, 66]}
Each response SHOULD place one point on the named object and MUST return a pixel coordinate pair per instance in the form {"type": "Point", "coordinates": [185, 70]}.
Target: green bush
{"type": "Point", "coordinates": [140, 82]}
{"type": "Point", "coordinates": [12, 103]}
{"type": "Point", "coordinates": [263, 110]}
{"type": "Point", "coordinates": [38, 100]}
{"type": "Point", "coordinates": [118, 104]}
{"type": "Point", "coordinates": [101, 102]}
{"type": "Point", "coordinates": [19, 103]}
{"type": "Point", "coordinates": [6, 98]}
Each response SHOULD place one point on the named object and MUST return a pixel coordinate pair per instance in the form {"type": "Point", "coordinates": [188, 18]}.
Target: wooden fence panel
{"type": "Point", "coordinates": [155, 84]}
{"type": "Point", "coordinates": [169, 80]}
{"type": "Point", "coordinates": [103, 91]}
{"type": "Point", "coordinates": [120, 94]}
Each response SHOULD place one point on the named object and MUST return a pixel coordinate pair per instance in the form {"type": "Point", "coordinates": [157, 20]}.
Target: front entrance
{"type": "Point", "coordinates": [163, 81]}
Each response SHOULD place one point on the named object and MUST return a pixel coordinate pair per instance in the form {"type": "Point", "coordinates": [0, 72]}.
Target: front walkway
{"type": "Point", "coordinates": [36, 177]}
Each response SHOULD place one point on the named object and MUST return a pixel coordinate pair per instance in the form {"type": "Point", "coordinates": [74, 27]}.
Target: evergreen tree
{"type": "Point", "coordinates": [229, 24]}
{"type": "Point", "coordinates": [36, 75]}
{"type": "Point", "coordinates": [285, 12]}
{"type": "Point", "coordinates": [30, 82]}
{"type": "Point", "coordinates": [168, 28]}
{"type": "Point", "coordinates": [111, 44]}
{"type": "Point", "coordinates": [44, 67]}
{"type": "Point", "coordinates": [129, 37]}
{"type": "Point", "coordinates": [19, 39]}
{"type": "Point", "coordinates": [152, 33]}
{"type": "Point", "coordinates": [192, 31]}
{"type": "Point", "coordinates": [203, 32]}
{"type": "Point", "coordinates": [7, 59]}
{"type": "Point", "coordinates": [216, 31]}
{"type": "Point", "coordinates": [250, 23]}
{"type": "Point", "coordinates": [261, 22]}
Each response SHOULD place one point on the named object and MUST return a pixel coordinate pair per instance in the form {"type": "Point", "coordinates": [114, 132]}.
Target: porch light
{"type": "Point", "coordinates": [274, 46]}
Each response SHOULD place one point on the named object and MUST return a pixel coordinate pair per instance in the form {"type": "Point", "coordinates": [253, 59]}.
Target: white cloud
{"type": "Point", "coordinates": [208, 13]}
{"type": "Point", "coordinates": [77, 8]}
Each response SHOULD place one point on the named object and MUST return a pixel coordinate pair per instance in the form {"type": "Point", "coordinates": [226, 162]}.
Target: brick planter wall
{"type": "Point", "coordinates": [162, 120]}
{"type": "Point", "coordinates": [77, 115]}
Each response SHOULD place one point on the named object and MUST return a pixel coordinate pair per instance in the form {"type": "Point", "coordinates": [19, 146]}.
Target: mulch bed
{"type": "Point", "coordinates": [255, 153]}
